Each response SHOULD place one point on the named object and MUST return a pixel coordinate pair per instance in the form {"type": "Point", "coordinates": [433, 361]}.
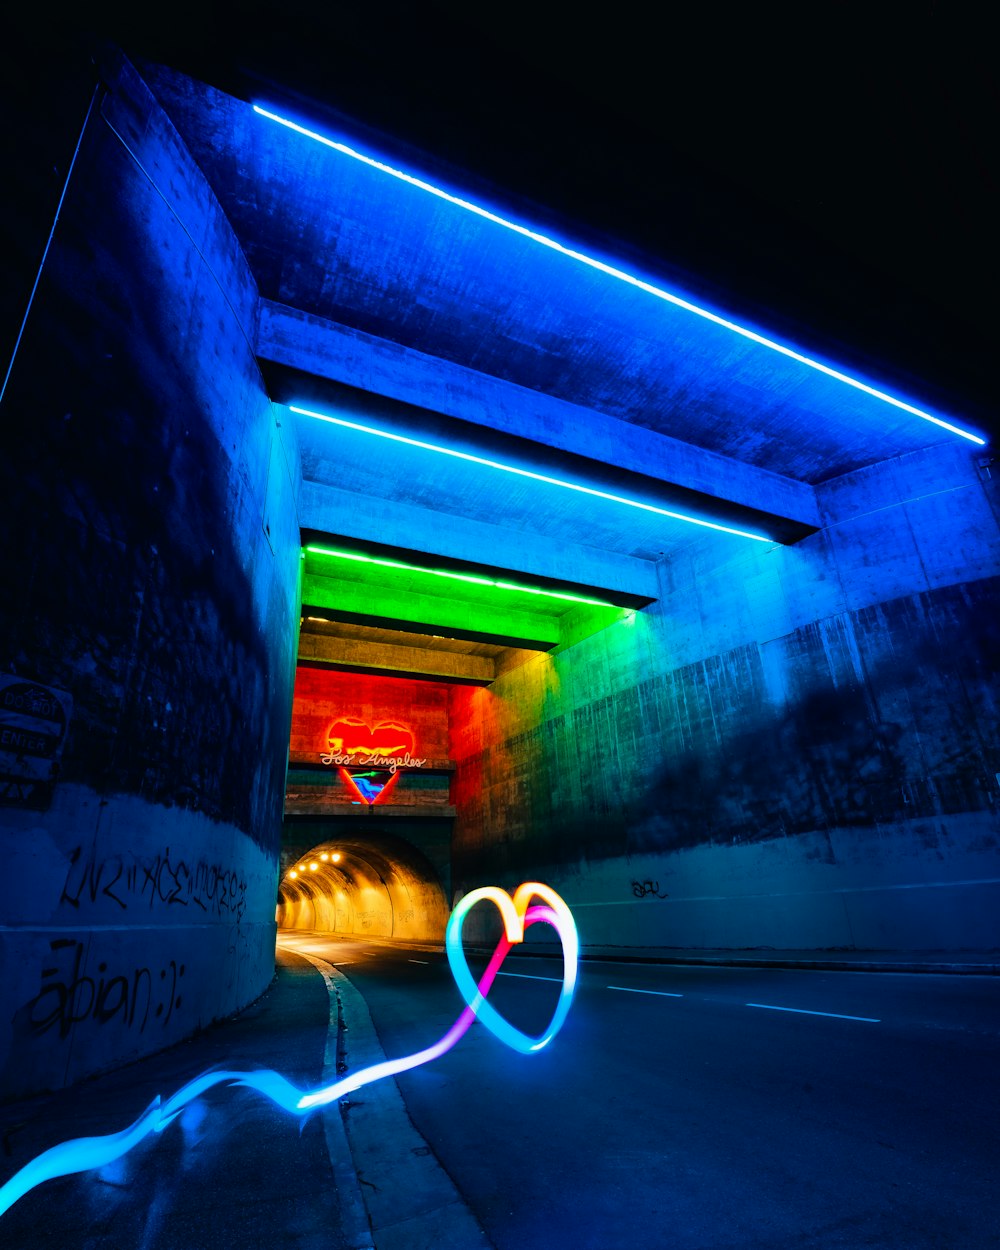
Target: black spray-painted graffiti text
{"type": "Point", "coordinates": [127, 879]}
{"type": "Point", "coordinates": [68, 996]}
{"type": "Point", "coordinates": [647, 889]}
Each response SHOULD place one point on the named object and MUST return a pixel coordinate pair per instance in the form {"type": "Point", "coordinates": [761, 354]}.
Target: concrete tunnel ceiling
{"type": "Point", "coordinates": [410, 320]}
{"type": "Point", "coordinates": [466, 397]}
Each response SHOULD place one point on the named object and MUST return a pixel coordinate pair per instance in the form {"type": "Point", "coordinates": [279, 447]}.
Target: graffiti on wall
{"type": "Point", "coordinates": [647, 889]}
{"type": "Point", "coordinates": [129, 995]}
{"type": "Point", "coordinates": [157, 880]}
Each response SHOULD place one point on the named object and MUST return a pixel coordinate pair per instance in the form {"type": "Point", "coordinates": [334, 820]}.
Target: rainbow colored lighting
{"type": "Point", "coordinates": [379, 795]}
{"type": "Point", "coordinates": [619, 274]}
{"type": "Point", "coordinates": [475, 578]}
{"type": "Point", "coordinates": [83, 1154]}
{"type": "Point", "coordinates": [537, 477]}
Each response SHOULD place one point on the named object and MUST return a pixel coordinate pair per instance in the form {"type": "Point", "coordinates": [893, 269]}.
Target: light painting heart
{"type": "Point", "coordinates": [84, 1153]}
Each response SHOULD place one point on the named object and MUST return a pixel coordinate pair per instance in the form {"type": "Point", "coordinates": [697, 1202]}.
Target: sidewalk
{"type": "Point", "coordinates": [231, 1170]}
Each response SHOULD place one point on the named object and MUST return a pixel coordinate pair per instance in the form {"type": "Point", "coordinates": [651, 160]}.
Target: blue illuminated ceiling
{"type": "Point", "coordinates": [396, 311]}
{"type": "Point", "coordinates": [331, 237]}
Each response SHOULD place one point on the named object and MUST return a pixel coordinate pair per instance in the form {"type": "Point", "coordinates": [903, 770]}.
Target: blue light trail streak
{"type": "Point", "coordinates": [82, 1154]}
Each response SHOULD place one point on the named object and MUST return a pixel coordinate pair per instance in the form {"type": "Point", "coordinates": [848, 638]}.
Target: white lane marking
{"type": "Point", "coordinates": [417, 961]}
{"type": "Point", "coordinates": [343, 963]}
{"type": "Point", "coordinates": [629, 990]}
{"type": "Point", "coordinates": [801, 1011]}
{"type": "Point", "coordinates": [525, 976]}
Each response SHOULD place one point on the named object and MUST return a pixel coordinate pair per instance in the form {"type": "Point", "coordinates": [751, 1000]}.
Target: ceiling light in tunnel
{"type": "Point", "coordinates": [537, 477]}
{"type": "Point", "coordinates": [619, 274]}
{"type": "Point", "coordinates": [313, 867]}
{"type": "Point", "coordinates": [324, 856]}
{"type": "Point", "coordinates": [336, 857]}
{"type": "Point", "coordinates": [293, 874]}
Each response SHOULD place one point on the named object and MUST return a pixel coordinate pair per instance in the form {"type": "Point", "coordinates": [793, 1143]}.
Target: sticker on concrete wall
{"type": "Point", "coordinates": [33, 723]}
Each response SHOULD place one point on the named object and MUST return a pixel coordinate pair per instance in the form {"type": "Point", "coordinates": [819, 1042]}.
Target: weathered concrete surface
{"type": "Point", "coordinates": [150, 573]}
{"type": "Point", "coordinates": [697, 477]}
{"type": "Point", "coordinates": [793, 748]}
{"type": "Point", "coordinates": [351, 653]}
{"type": "Point", "coordinates": [127, 928]}
{"type": "Point", "coordinates": [327, 506]}
{"type": "Point", "coordinates": [344, 242]}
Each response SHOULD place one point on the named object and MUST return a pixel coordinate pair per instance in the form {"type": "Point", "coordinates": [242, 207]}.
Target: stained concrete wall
{"type": "Point", "coordinates": [150, 572]}
{"type": "Point", "coordinates": [793, 748]}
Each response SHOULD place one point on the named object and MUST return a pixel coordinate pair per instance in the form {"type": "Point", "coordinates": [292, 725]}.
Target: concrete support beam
{"type": "Point", "coordinates": [383, 657]}
{"type": "Point", "coordinates": [398, 609]}
{"type": "Point", "coordinates": [329, 510]}
{"type": "Point", "coordinates": [329, 350]}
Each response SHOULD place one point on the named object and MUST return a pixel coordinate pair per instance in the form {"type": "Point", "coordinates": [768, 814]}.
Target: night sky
{"type": "Point", "coordinates": [827, 172]}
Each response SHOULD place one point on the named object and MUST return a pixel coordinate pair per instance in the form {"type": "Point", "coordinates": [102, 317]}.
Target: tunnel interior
{"type": "Point", "coordinates": [371, 885]}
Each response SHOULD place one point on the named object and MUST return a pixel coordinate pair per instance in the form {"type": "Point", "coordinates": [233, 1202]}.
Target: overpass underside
{"type": "Point", "coordinates": [356, 521]}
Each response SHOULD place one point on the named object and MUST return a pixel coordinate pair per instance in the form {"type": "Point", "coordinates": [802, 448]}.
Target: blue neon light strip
{"type": "Point", "coordinates": [620, 274]}
{"type": "Point", "coordinates": [537, 477]}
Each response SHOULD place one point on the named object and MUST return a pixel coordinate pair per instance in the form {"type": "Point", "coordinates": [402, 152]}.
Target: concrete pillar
{"type": "Point", "coordinates": [147, 623]}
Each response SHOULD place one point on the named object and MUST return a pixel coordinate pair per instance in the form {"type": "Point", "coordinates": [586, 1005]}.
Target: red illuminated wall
{"type": "Point", "coordinates": [322, 696]}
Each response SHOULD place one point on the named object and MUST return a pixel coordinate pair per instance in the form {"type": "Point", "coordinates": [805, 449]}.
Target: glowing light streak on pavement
{"type": "Point", "coordinates": [82, 1154]}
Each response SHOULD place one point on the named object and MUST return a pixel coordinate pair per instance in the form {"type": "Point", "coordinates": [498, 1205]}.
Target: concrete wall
{"type": "Point", "coordinates": [793, 748]}
{"type": "Point", "coordinates": [147, 638]}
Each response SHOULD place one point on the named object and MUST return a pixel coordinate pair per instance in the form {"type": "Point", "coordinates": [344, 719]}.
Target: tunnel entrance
{"type": "Point", "coordinates": [363, 885]}
{"type": "Point", "coordinates": [391, 712]}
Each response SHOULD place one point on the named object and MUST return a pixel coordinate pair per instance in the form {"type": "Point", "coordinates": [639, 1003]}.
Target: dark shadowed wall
{"type": "Point", "coordinates": [150, 595]}
{"type": "Point", "coordinates": [795, 747]}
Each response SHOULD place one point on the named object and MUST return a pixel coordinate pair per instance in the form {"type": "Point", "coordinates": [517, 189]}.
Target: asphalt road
{"type": "Point", "coordinates": [708, 1108]}
{"type": "Point", "coordinates": [689, 1108]}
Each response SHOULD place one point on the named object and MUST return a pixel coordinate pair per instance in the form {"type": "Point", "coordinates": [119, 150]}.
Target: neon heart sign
{"type": "Point", "coordinates": [350, 735]}
{"type": "Point", "coordinates": [386, 744]}
{"type": "Point", "coordinates": [81, 1154]}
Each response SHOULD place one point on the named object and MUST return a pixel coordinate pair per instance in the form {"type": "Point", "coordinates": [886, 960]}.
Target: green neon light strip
{"type": "Point", "coordinates": [458, 577]}
{"type": "Point", "coordinates": [538, 477]}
